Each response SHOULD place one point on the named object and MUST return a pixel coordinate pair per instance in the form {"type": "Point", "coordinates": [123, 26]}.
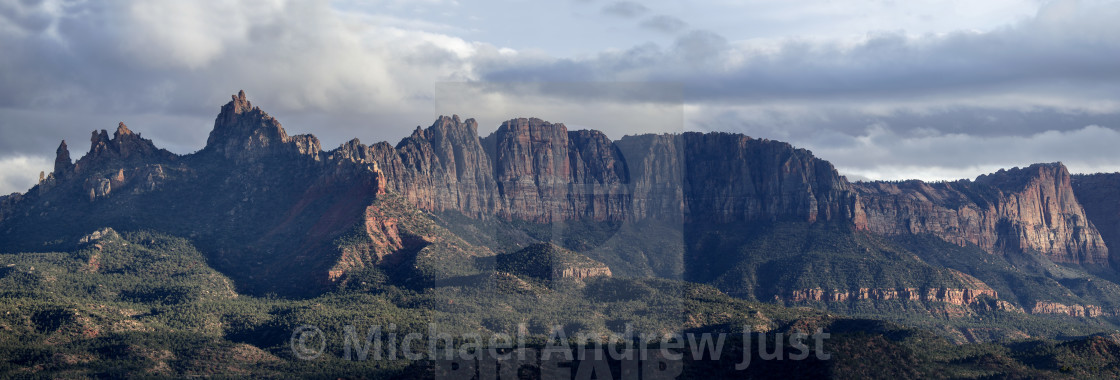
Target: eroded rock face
{"type": "Point", "coordinates": [125, 148]}
{"type": "Point", "coordinates": [1100, 195]}
{"type": "Point", "coordinates": [1034, 208]}
{"type": "Point", "coordinates": [534, 170]}
{"type": "Point", "coordinates": [442, 167]}
{"type": "Point", "coordinates": [731, 177]}
{"type": "Point", "coordinates": [246, 132]}
{"type": "Point", "coordinates": [294, 198]}
{"type": "Point", "coordinates": [63, 166]}
{"type": "Point", "coordinates": [581, 273]}
{"type": "Point", "coordinates": [1044, 307]}
{"type": "Point", "coordinates": [954, 296]}
{"type": "Point", "coordinates": [132, 180]}
{"type": "Point", "coordinates": [264, 205]}
{"type": "Point", "coordinates": [548, 262]}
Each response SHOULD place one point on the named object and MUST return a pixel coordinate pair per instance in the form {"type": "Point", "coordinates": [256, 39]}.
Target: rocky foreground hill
{"type": "Point", "coordinates": [759, 219]}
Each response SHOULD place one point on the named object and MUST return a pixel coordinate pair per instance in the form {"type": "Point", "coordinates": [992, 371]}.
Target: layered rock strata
{"type": "Point", "coordinates": [1028, 209]}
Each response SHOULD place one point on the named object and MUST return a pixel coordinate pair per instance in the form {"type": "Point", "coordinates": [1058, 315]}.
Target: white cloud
{"type": "Point", "coordinates": [298, 60]}
{"type": "Point", "coordinates": [20, 173]}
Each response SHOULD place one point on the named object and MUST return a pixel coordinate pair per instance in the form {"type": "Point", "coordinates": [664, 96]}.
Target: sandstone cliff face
{"type": "Point", "coordinates": [548, 262]}
{"type": "Point", "coordinates": [1020, 209]}
{"type": "Point", "coordinates": [534, 170]}
{"type": "Point", "coordinates": [443, 167]}
{"type": "Point", "coordinates": [294, 198]}
{"type": "Point", "coordinates": [1044, 307]}
{"type": "Point", "coordinates": [581, 273]}
{"type": "Point", "coordinates": [133, 180]}
{"type": "Point", "coordinates": [731, 177]}
{"type": "Point", "coordinates": [1100, 195]}
{"type": "Point", "coordinates": [954, 296]}
{"type": "Point", "coordinates": [545, 172]}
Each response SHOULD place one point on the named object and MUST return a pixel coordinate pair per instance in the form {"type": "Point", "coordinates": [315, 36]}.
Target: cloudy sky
{"type": "Point", "coordinates": [884, 89]}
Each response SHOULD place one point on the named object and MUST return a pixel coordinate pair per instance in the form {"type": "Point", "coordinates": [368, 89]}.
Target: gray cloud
{"type": "Point", "coordinates": [627, 9]}
{"type": "Point", "coordinates": [664, 24]}
{"type": "Point", "coordinates": [892, 105]}
{"type": "Point", "coordinates": [99, 63]}
{"type": "Point", "coordinates": [164, 68]}
{"type": "Point", "coordinates": [880, 153]}
{"type": "Point", "coordinates": [949, 143]}
{"type": "Point", "coordinates": [586, 105]}
{"type": "Point", "coordinates": [1071, 53]}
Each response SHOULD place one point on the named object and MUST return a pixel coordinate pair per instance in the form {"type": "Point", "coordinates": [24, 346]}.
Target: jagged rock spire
{"type": "Point", "coordinates": [239, 121]}
{"type": "Point", "coordinates": [62, 163]}
{"type": "Point", "coordinates": [240, 103]}
{"type": "Point", "coordinates": [122, 130]}
{"type": "Point", "coordinates": [242, 130]}
{"type": "Point", "coordinates": [103, 150]}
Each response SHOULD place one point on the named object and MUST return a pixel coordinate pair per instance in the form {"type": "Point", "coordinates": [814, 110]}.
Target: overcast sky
{"type": "Point", "coordinates": [882, 89]}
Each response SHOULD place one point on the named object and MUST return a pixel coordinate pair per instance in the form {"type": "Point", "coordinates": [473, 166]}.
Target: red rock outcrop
{"type": "Point", "coordinates": [1044, 307]}
{"type": "Point", "coordinates": [296, 198]}
{"type": "Point", "coordinates": [544, 172]}
{"type": "Point", "coordinates": [125, 148]}
{"type": "Point", "coordinates": [548, 262]}
{"type": "Point", "coordinates": [384, 238]}
{"type": "Point", "coordinates": [581, 273]}
{"type": "Point", "coordinates": [133, 180]}
{"type": "Point", "coordinates": [959, 297]}
{"type": "Point", "coordinates": [243, 131]}
{"type": "Point", "coordinates": [1020, 209]}
{"type": "Point", "coordinates": [534, 170]}
{"type": "Point", "coordinates": [442, 167]}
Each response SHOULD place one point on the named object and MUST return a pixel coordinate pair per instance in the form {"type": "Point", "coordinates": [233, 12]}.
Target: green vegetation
{"type": "Point", "coordinates": [139, 304]}
{"type": "Point", "coordinates": [540, 262]}
{"type": "Point", "coordinates": [767, 261]}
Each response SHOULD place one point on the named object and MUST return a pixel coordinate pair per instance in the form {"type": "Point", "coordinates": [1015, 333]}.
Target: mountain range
{"type": "Point", "coordinates": [1035, 250]}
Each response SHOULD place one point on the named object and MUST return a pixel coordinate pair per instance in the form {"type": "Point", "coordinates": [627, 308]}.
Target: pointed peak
{"type": "Point", "coordinates": [62, 163]}
{"type": "Point", "coordinates": [445, 120]}
{"type": "Point", "coordinates": [238, 103]}
{"type": "Point", "coordinates": [122, 130]}
{"type": "Point", "coordinates": [243, 130]}
{"type": "Point", "coordinates": [453, 122]}
{"type": "Point", "coordinates": [99, 136]}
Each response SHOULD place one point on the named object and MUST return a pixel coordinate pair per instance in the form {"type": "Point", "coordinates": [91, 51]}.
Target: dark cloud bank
{"type": "Point", "coordinates": [886, 105]}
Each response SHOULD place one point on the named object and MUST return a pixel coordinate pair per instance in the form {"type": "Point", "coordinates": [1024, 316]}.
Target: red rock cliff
{"type": "Point", "coordinates": [1033, 208]}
